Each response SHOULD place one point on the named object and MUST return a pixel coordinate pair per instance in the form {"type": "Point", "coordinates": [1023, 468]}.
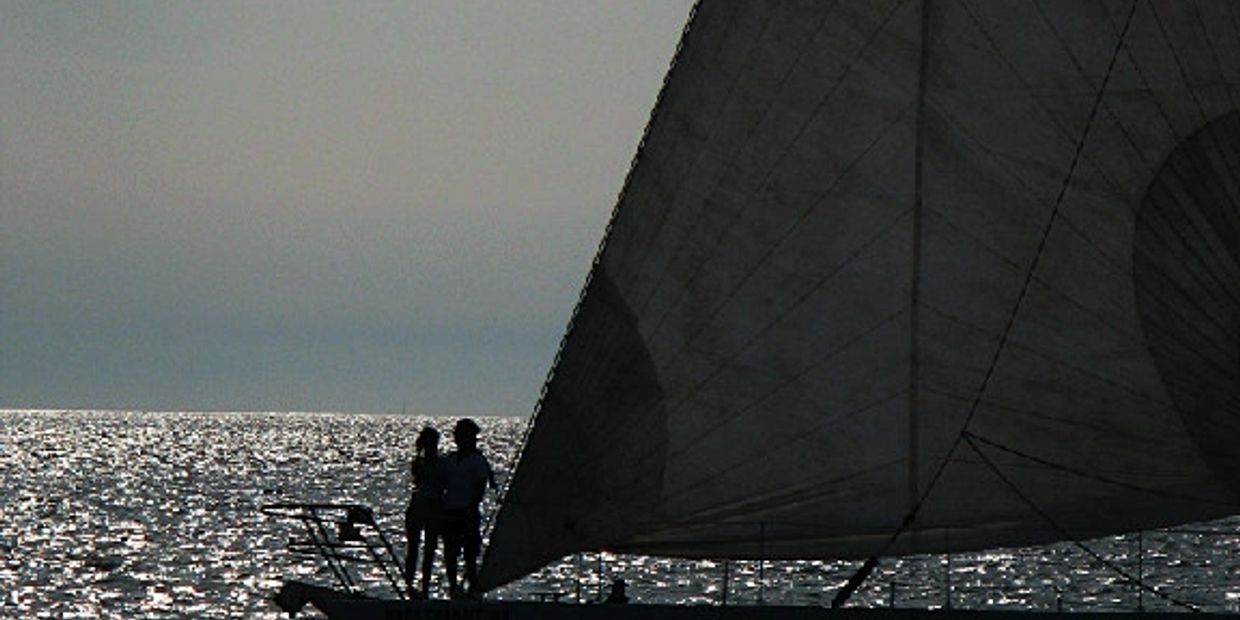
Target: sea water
{"type": "Point", "coordinates": [144, 514]}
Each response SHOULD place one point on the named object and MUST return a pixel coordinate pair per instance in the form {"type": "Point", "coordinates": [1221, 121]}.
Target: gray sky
{"type": "Point", "coordinates": [308, 205]}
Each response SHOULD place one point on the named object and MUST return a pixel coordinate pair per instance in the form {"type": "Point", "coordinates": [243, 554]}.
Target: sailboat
{"type": "Point", "coordinates": [890, 277]}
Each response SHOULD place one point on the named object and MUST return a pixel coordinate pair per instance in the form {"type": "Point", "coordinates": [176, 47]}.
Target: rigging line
{"type": "Point", "coordinates": [1092, 476]}
{"type": "Point", "coordinates": [968, 437]}
{"type": "Point", "coordinates": [654, 113]}
{"type": "Point", "coordinates": [826, 98]}
{"type": "Point", "coordinates": [938, 474]}
{"type": "Point", "coordinates": [736, 152]}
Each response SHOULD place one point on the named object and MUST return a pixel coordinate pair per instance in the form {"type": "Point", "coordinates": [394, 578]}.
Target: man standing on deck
{"type": "Point", "coordinates": [466, 475]}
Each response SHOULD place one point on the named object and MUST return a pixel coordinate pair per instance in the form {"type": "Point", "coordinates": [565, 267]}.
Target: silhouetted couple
{"type": "Point", "coordinates": [446, 501]}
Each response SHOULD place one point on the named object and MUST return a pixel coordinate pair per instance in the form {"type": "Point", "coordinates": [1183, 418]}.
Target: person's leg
{"type": "Point", "coordinates": [428, 559]}
{"type": "Point", "coordinates": [413, 531]}
{"type": "Point", "coordinates": [472, 547]}
{"type": "Point", "coordinates": [451, 549]}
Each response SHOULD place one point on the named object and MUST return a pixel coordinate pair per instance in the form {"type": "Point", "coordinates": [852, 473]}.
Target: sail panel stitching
{"type": "Point", "coordinates": [1218, 63]}
{"type": "Point", "coordinates": [822, 102]}
{"type": "Point", "coordinates": [776, 320]}
{"type": "Point", "coordinates": [658, 225]}
{"type": "Point", "coordinates": [797, 377]}
{"type": "Point", "coordinates": [1179, 62]}
{"type": "Point", "coordinates": [818, 201]}
{"type": "Point", "coordinates": [644, 255]}
{"type": "Point", "coordinates": [1016, 346]}
{"type": "Point", "coordinates": [1187, 246]}
{"type": "Point", "coordinates": [1147, 442]}
{"type": "Point", "coordinates": [803, 435]}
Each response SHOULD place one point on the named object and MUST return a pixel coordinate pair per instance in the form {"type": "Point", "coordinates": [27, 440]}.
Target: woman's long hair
{"type": "Point", "coordinates": [426, 448]}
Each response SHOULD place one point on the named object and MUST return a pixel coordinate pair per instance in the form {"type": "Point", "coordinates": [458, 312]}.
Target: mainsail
{"type": "Point", "coordinates": [899, 276]}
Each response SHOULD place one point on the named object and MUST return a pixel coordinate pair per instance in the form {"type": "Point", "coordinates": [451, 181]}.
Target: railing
{"type": "Point", "coordinates": [343, 536]}
{"type": "Point", "coordinates": [1192, 565]}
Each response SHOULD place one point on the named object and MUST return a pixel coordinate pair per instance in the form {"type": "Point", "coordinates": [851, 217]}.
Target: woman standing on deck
{"type": "Point", "coordinates": [423, 515]}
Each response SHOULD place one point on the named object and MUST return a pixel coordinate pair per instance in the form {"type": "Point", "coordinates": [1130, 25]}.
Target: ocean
{"type": "Point", "coordinates": [127, 514]}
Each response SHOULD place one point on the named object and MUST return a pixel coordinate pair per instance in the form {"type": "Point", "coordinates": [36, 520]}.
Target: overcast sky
{"type": "Point", "coordinates": [302, 205]}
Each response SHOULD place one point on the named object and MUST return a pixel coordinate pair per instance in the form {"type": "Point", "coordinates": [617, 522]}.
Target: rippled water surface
{"type": "Point", "coordinates": [129, 514]}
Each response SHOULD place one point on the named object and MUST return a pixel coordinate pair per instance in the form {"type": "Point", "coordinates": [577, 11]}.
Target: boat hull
{"type": "Point", "coordinates": [345, 609]}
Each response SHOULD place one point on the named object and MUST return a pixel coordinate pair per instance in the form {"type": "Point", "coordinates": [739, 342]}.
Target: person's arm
{"type": "Point", "coordinates": [480, 483]}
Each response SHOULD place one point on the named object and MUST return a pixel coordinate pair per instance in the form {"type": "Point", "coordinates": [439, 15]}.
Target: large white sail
{"type": "Point", "coordinates": [895, 276]}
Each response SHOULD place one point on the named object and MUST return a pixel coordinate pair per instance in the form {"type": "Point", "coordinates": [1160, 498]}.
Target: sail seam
{"type": "Point", "coordinates": [628, 277]}
{"type": "Point", "coordinates": [1179, 63]}
{"type": "Point", "coordinates": [760, 188]}
{"type": "Point", "coordinates": [1091, 476]}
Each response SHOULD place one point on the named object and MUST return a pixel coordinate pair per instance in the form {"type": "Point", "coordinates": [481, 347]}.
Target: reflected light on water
{"type": "Point", "coordinates": [131, 514]}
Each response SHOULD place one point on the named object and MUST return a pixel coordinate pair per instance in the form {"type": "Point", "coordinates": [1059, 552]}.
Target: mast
{"type": "Point", "coordinates": [914, 365]}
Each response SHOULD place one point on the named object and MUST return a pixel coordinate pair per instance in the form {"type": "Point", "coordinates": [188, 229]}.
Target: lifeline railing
{"type": "Point", "coordinates": [342, 536]}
